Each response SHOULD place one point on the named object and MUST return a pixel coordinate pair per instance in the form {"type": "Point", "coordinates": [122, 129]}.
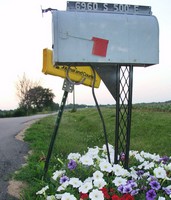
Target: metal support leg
{"type": "Point", "coordinates": [67, 87]}
{"type": "Point", "coordinates": [123, 114]}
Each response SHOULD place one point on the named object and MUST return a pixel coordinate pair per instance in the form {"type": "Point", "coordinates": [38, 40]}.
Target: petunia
{"type": "Point", "coordinates": [68, 196]}
{"type": "Point", "coordinates": [161, 198]}
{"type": "Point", "coordinates": [74, 156]}
{"type": "Point", "coordinates": [96, 195]}
{"type": "Point", "coordinates": [120, 171]}
{"type": "Point", "coordinates": [43, 190]}
{"type": "Point", "coordinates": [127, 189]}
{"type": "Point", "coordinates": [72, 165]}
{"type": "Point", "coordinates": [105, 166]}
{"type": "Point", "coordinates": [99, 183]}
{"type": "Point", "coordinates": [63, 186]}
{"type": "Point", "coordinates": [167, 190]}
{"type": "Point", "coordinates": [119, 181]}
{"type": "Point", "coordinates": [83, 195]}
{"type": "Point", "coordinates": [57, 174]}
{"type": "Point", "coordinates": [75, 182]}
{"type": "Point", "coordinates": [115, 197]}
{"type": "Point", "coordinates": [51, 197]}
{"type": "Point", "coordinates": [93, 152]}
{"type": "Point", "coordinates": [155, 185]}
{"type": "Point", "coordinates": [85, 187]}
{"type": "Point", "coordinates": [105, 193]}
{"type": "Point", "coordinates": [160, 172]}
{"type": "Point", "coordinates": [86, 160]}
{"type": "Point", "coordinates": [127, 197]}
{"type": "Point", "coordinates": [151, 195]}
{"type": "Point", "coordinates": [97, 175]}
{"type": "Point", "coordinates": [63, 179]}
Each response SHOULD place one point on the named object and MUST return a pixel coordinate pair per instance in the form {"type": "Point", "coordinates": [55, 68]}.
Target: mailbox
{"type": "Point", "coordinates": [105, 38]}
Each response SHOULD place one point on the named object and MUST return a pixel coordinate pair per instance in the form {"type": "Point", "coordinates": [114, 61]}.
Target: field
{"type": "Point", "coordinates": [150, 131]}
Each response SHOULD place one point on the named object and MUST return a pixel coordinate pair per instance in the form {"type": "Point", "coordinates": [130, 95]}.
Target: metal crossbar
{"type": "Point", "coordinates": [123, 113]}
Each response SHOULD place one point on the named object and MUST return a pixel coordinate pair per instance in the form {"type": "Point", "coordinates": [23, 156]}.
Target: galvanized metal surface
{"type": "Point", "coordinates": [82, 38]}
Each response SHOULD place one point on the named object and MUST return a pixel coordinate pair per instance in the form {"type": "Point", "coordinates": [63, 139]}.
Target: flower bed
{"type": "Point", "coordinates": [91, 176]}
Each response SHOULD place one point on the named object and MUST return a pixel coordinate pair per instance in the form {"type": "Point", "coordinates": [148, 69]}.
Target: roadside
{"type": "Point", "coordinates": [15, 187]}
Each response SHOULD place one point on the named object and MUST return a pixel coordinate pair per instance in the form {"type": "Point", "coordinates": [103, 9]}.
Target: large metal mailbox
{"type": "Point", "coordinates": [83, 38]}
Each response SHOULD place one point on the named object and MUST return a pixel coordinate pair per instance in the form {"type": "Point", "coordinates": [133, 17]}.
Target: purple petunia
{"type": "Point", "coordinates": [155, 185]}
{"type": "Point", "coordinates": [167, 190]}
{"type": "Point", "coordinates": [127, 188]}
{"type": "Point", "coordinates": [72, 165]}
{"type": "Point", "coordinates": [164, 159]}
{"type": "Point", "coordinates": [120, 188]}
{"type": "Point", "coordinates": [63, 179]}
{"type": "Point", "coordinates": [132, 183]}
{"type": "Point", "coordinates": [135, 192]}
{"type": "Point", "coordinates": [151, 195]}
{"type": "Point", "coordinates": [140, 172]}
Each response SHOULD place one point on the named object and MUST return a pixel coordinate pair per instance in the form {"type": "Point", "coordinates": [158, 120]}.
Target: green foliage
{"type": "Point", "coordinates": [36, 99]}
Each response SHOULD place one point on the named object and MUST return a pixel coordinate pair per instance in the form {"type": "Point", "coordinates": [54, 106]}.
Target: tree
{"type": "Point", "coordinates": [39, 98]}
{"type": "Point", "coordinates": [22, 87]}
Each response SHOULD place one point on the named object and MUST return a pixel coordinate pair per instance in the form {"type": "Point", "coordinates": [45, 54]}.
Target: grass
{"type": "Point", "coordinates": [151, 132]}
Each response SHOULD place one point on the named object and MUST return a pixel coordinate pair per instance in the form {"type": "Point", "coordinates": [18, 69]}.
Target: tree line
{"type": "Point", "coordinates": [33, 98]}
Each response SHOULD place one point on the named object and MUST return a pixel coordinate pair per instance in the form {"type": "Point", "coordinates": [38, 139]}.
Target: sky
{"type": "Point", "coordinates": [24, 32]}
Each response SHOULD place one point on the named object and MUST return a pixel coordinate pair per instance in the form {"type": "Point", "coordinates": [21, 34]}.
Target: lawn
{"type": "Point", "coordinates": [150, 131]}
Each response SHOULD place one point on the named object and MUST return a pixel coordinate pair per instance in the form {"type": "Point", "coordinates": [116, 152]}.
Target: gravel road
{"type": "Point", "coordinates": [12, 151]}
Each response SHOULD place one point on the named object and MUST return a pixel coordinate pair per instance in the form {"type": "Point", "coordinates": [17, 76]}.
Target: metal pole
{"type": "Point", "coordinates": [67, 87]}
{"type": "Point", "coordinates": [74, 108]}
{"type": "Point", "coordinates": [117, 115]}
{"type": "Point", "coordinates": [59, 116]}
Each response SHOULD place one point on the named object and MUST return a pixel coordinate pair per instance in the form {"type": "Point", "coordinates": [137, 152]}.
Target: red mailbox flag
{"type": "Point", "coordinates": [100, 46]}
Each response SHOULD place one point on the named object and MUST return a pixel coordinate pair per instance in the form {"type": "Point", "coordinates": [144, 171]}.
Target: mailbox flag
{"type": "Point", "coordinates": [100, 46]}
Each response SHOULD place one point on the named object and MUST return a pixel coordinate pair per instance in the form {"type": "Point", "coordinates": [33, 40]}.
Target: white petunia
{"type": "Point", "coordinates": [68, 196]}
{"type": "Point", "coordinates": [85, 187]}
{"type": "Point", "coordinates": [96, 195]}
{"type": "Point", "coordinates": [150, 156]}
{"type": "Point", "coordinates": [57, 174]}
{"type": "Point", "coordinates": [93, 152]}
{"type": "Point", "coordinates": [63, 186]}
{"type": "Point", "coordinates": [43, 190]}
{"type": "Point", "coordinates": [149, 165]}
{"type": "Point", "coordinates": [105, 166]}
{"type": "Point", "coordinates": [119, 181]}
{"type": "Point", "coordinates": [74, 156]}
{"type": "Point", "coordinates": [168, 167]}
{"type": "Point", "coordinates": [160, 172]}
{"type": "Point", "coordinates": [133, 153]}
{"type": "Point", "coordinates": [133, 173]}
{"type": "Point", "coordinates": [86, 160]}
{"type": "Point", "coordinates": [161, 198]}
{"type": "Point", "coordinates": [51, 197]}
{"type": "Point", "coordinates": [120, 171]}
{"type": "Point", "coordinates": [97, 175]}
{"type": "Point", "coordinates": [75, 182]}
{"type": "Point", "coordinates": [89, 179]}
{"type": "Point", "coordinates": [143, 164]}
{"type": "Point", "coordinates": [58, 196]}
{"type": "Point", "coordinates": [111, 148]}
{"type": "Point", "coordinates": [139, 157]}
{"type": "Point", "coordinates": [99, 183]}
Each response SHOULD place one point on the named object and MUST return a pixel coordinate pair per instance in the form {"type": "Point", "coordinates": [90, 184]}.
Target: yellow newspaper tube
{"type": "Point", "coordinates": [76, 74]}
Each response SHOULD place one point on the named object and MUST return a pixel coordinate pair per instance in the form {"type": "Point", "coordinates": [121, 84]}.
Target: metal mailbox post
{"type": "Point", "coordinates": [112, 38]}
